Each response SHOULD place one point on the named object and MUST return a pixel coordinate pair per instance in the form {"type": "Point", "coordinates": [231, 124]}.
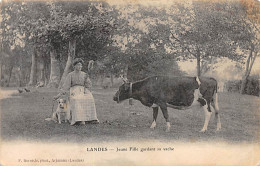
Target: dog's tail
{"type": "Point", "coordinates": [48, 119]}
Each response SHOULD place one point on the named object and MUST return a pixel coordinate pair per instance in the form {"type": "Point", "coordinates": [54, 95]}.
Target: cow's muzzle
{"type": "Point", "coordinates": [116, 97]}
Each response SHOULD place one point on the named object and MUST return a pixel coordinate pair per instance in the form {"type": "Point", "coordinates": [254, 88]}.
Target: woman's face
{"type": "Point", "coordinates": [78, 66]}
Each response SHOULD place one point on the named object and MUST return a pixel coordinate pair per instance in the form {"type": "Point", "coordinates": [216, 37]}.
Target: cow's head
{"type": "Point", "coordinates": [123, 93]}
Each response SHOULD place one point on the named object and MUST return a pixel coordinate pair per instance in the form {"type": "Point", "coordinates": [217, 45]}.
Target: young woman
{"type": "Point", "coordinates": [81, 104]}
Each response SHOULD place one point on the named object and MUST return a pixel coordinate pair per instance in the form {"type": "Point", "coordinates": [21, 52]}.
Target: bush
{"type": "Point", "coordinates": [233, 85]}
{"type": "Point", "coordinates": [252, 85]}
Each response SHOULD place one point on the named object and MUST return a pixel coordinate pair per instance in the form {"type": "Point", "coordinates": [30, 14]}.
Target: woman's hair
{"type": "Point", "coordinates": [77, 60]}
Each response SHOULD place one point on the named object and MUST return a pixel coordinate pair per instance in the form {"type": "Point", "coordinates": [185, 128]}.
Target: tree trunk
{"type": "Point", "coordinates": [112, 78]}
{"type": "Point", "coordinates": [10, 75]}
{"type": "Point", "coordinates": [55, 70]}
{"type": "Point", "coordinates": [33, 69]}
{"type": "Point", "coordinates": [24, 76]}
{"type": "Point", "coordinates": [243, 84]}
{"type": "Point", "coordinates": [102, 77]}
{"type": "Point", "coordinates": [20, 76]}
{"type": "Point", "coordinates": [0, 71]}
{"type": "Point", "coordinates": [71, 56]}
{"type": "Point", "coordinates": [249, 65]}
{"type": "Point", "coordinates": [198, 65]}
{"type": "Point", "coordinates": [20, 71]}
{"type": "Point", "coordinates": [126, 71]}
{"type": "Point", "coordinates": [42, 76]}
{"type": "Point", "coordinates": [46, 71]}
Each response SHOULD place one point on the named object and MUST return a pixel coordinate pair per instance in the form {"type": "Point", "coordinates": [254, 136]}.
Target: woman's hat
{"type": "Point", "coordinates": [77, 60]}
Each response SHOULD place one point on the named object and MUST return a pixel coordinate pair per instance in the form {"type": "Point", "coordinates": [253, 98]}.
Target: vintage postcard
{"type": "Point", "coordinates": [129, 83]}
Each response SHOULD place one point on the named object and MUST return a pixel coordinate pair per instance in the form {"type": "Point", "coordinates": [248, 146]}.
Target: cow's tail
{"type": "Point", "coordinates": [215, 99]}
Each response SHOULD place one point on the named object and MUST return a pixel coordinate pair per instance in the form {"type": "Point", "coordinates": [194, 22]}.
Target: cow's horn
{"type": "Point", "coordinates": [125, 80]}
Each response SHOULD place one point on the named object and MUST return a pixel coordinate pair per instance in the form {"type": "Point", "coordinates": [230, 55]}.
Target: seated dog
{"type": "Point", "coordinates": [61, 111]}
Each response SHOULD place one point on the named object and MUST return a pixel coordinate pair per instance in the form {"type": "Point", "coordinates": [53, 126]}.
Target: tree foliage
{"type": "Point", "coordinates": [130, 38]}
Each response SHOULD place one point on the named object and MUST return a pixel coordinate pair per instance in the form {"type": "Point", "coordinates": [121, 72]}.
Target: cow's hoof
{"type": "Point", "coordinates": [203, 130]}
{"type": "Point", "coordinates": [218, 129]}
{"type": "Point", "coordinates": [168, 126]}
{"type": "Point", "coordinates": [153, 125]}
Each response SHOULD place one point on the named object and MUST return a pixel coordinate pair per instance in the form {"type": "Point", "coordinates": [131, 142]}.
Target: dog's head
{"type": "Point", "coordinates": [62, 103]}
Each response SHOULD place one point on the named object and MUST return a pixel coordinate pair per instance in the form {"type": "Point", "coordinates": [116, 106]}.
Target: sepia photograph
{"type": "Point", "coordinates": [129, 83]}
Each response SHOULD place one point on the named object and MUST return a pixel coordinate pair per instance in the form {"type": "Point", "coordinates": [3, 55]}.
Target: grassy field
{"type": "Point", "coordinates": [22, 117]}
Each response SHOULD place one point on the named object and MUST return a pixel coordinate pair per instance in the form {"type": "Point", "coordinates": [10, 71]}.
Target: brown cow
{"type": "Point", "coordinates": [175, 92]}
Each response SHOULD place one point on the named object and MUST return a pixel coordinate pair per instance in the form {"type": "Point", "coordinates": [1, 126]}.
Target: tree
{"type": "Point", "coordinates": [248, 37]}
{"type": "Point", "coordinates": [87, 26]}
{"type": "Point", "coordinates": [8, 39]}
{"type": "Point", "coordinates": [51, 28]}
{"type": "Point", "coordinates": [201, 31]}
{"type": "Point", "coordinates": [27, 21]}
{"type": "Point", "coordinates": [143, 36]}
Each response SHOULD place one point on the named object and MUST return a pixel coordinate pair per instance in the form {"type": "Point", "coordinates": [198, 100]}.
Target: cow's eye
{"type": "Point", "coordinates": [126, 87]}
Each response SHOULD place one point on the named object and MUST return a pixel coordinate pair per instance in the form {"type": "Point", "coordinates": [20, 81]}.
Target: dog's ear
{"type": "Point", "coordinates": [65, 101]}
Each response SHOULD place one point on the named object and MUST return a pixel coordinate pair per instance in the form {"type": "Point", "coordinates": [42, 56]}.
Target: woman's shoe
{"type": "Point", "coordinates": [82, 123]}
{"type": "Point", "coordinates": [95, 122]}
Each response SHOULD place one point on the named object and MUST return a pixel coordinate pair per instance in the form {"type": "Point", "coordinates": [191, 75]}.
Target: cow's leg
{"type": "Point", "coordinates": [207, 111]}
{"type": "Point", "coordinates": [217, 116]}
{"type": "Point", "coordinates": [155, 113]}
{"type": "Point", "coordinates": [163, 107]}
{"type": "Point", "coordinates": [197, 95]}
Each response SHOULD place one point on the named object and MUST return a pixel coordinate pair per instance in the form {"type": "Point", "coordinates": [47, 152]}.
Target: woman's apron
{"type": "Point", "coordinates": [81, 105]}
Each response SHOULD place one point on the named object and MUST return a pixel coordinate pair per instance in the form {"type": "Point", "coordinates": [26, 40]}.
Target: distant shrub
{"type": "Point", "coordinates": [233, 85]}
{"type": "Point", "coordinates": [252, 85]}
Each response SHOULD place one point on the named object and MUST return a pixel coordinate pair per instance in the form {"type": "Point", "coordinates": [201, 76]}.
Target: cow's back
{"type": "Point", "coordinates": [178, 91]}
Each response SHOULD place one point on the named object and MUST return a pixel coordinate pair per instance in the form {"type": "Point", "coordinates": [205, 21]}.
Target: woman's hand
{"type": "Point", "coordinates": [87, 90]}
